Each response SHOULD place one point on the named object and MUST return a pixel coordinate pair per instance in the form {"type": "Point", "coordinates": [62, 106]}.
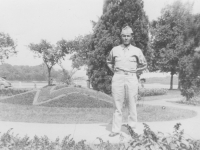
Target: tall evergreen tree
{"type": "Point", "coordinates": [116, 14]}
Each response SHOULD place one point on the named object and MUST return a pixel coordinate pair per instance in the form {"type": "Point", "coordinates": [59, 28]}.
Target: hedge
{"type": "Point", "coordinates": [146, 141]}
{"type": "Point", "coordinates": [152, 91]}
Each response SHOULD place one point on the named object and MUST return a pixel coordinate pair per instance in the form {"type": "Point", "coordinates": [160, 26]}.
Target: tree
{"type": "Point", "coordinates": [189, 64]}
{"type": "Point", "coordinates": [50, 54]}
{"type": "Point", "coordinates": [116, 14]}
{"type": "Point", "coordinates": [67, 76]}
{"type": "Point", "coordinates": [190, 75]}
{"type": "Point", "coordinates": [168, 37]}
{"type": "Point", "coordinates": [27, 73]}
{"type": "Point", "coordinates": [81, 51]}
{"type": "Point", "coordinates": [7, 46]}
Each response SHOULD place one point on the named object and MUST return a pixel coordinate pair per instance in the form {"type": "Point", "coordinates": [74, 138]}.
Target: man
{"type": "Point", "coordinates": [142, 81]}
{"type": "Point", "coordinates": [124, 61]}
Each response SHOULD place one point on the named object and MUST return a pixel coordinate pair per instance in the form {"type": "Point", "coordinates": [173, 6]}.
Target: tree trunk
{"type": "Point", "coordinates": [179, 84]}
{"type": "Point", "coordinates": [88, 83]}
{"type": "Point", "coordinates": [49, 75]}
{"type": "Point", "coordinates": [171, 81]}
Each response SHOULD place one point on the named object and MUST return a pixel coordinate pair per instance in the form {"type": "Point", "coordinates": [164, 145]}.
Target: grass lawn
{"type": "Point", "coordinates": [20, 109]}
{"type": "Point", "coordinates": [41, 114]}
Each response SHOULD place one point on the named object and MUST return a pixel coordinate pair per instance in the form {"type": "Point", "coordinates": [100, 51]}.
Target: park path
{"type": "Point", "coordinates": [90, 132]}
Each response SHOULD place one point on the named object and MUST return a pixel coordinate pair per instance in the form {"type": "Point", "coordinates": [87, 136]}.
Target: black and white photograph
{"type": "Point", "coordinates": [99, 74]}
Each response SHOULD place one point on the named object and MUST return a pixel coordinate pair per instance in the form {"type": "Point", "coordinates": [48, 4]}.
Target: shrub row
{"type": "Point", "coordinates": [12, 91]}
{"type": "Point", "coordinates": [152, 91]}
{"type": "Point", "coordinates": [146, 141]}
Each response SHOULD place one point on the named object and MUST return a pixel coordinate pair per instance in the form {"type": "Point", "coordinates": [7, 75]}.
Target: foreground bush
{"type": "Point", "coordinates": [146, 141]}
{"type": "Point", "coordinates": [152, 141]}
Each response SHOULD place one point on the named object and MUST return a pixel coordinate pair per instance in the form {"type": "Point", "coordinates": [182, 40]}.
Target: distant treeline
{"type": "Point", "coordinates": [27, 73]}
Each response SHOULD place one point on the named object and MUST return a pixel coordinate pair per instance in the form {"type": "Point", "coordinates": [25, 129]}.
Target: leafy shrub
{"type": "Point", "coordinates": [152, 141]}
{"type": "Point", "coordinates": [146, 141]}
{"type": "Point", "coordinates": [14, 142]}
{"type": "Point", "coordinates": [151, 92]}
{"type": "Point", "coordinates": [60, 86]}
{"type": "Point", "coordinates": [12, 91]}
{"type": "Point", "coordinates": [189, 76]}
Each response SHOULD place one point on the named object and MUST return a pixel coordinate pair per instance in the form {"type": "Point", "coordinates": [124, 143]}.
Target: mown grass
{"type": "Point", "coordinates": [62, 115]}
{"type": "Point", "coordinates": [63, 111]}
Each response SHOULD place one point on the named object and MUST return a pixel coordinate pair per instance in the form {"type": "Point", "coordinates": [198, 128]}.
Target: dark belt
{"type": "Point", "coordinates": [121, 71]}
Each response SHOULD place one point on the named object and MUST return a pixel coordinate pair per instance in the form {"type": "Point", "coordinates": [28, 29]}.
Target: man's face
{"type": "Point", "coordinates": [126, 38]}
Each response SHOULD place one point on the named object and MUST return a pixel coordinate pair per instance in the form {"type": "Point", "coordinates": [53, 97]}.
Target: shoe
{"type": "Point", "coordinates": [112, 134]}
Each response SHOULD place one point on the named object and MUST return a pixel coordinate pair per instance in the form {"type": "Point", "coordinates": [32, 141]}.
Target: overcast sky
{"type": "Point", "coordinates": [29, 21]}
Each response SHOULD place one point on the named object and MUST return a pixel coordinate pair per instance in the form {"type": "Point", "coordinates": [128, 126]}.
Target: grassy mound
{"type": "Point", "coordinates": [12, 91]}
{"type": "Point", "coordinates": [25, 98]}
{"type": "Point", "coordinates": [78, 100]}
{"type": "Point", "coordinates": [62, 96]}
{"type": "Point", "coordinates": [73, 97]}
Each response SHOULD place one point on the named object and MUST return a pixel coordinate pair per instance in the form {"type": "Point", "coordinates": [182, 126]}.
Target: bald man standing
{"type": "Point", "coordinates": [125, 61]}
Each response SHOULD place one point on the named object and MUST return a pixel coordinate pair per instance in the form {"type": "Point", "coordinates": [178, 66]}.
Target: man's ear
{"type": "Point", "coordinates": [132, 35]}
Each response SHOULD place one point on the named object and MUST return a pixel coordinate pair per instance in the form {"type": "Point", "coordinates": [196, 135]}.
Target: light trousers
{"type": "Point", "coordinates": [118, 91]}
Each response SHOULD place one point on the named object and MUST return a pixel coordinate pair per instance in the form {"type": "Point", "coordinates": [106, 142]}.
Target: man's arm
{"type": "Point", "coordinates": [142, 63]}
{"type": "Point", "coordinates": [110, 61]}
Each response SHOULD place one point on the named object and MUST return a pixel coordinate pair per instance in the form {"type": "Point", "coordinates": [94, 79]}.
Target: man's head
{"type": "Point", "coordinates": [126, 35]}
